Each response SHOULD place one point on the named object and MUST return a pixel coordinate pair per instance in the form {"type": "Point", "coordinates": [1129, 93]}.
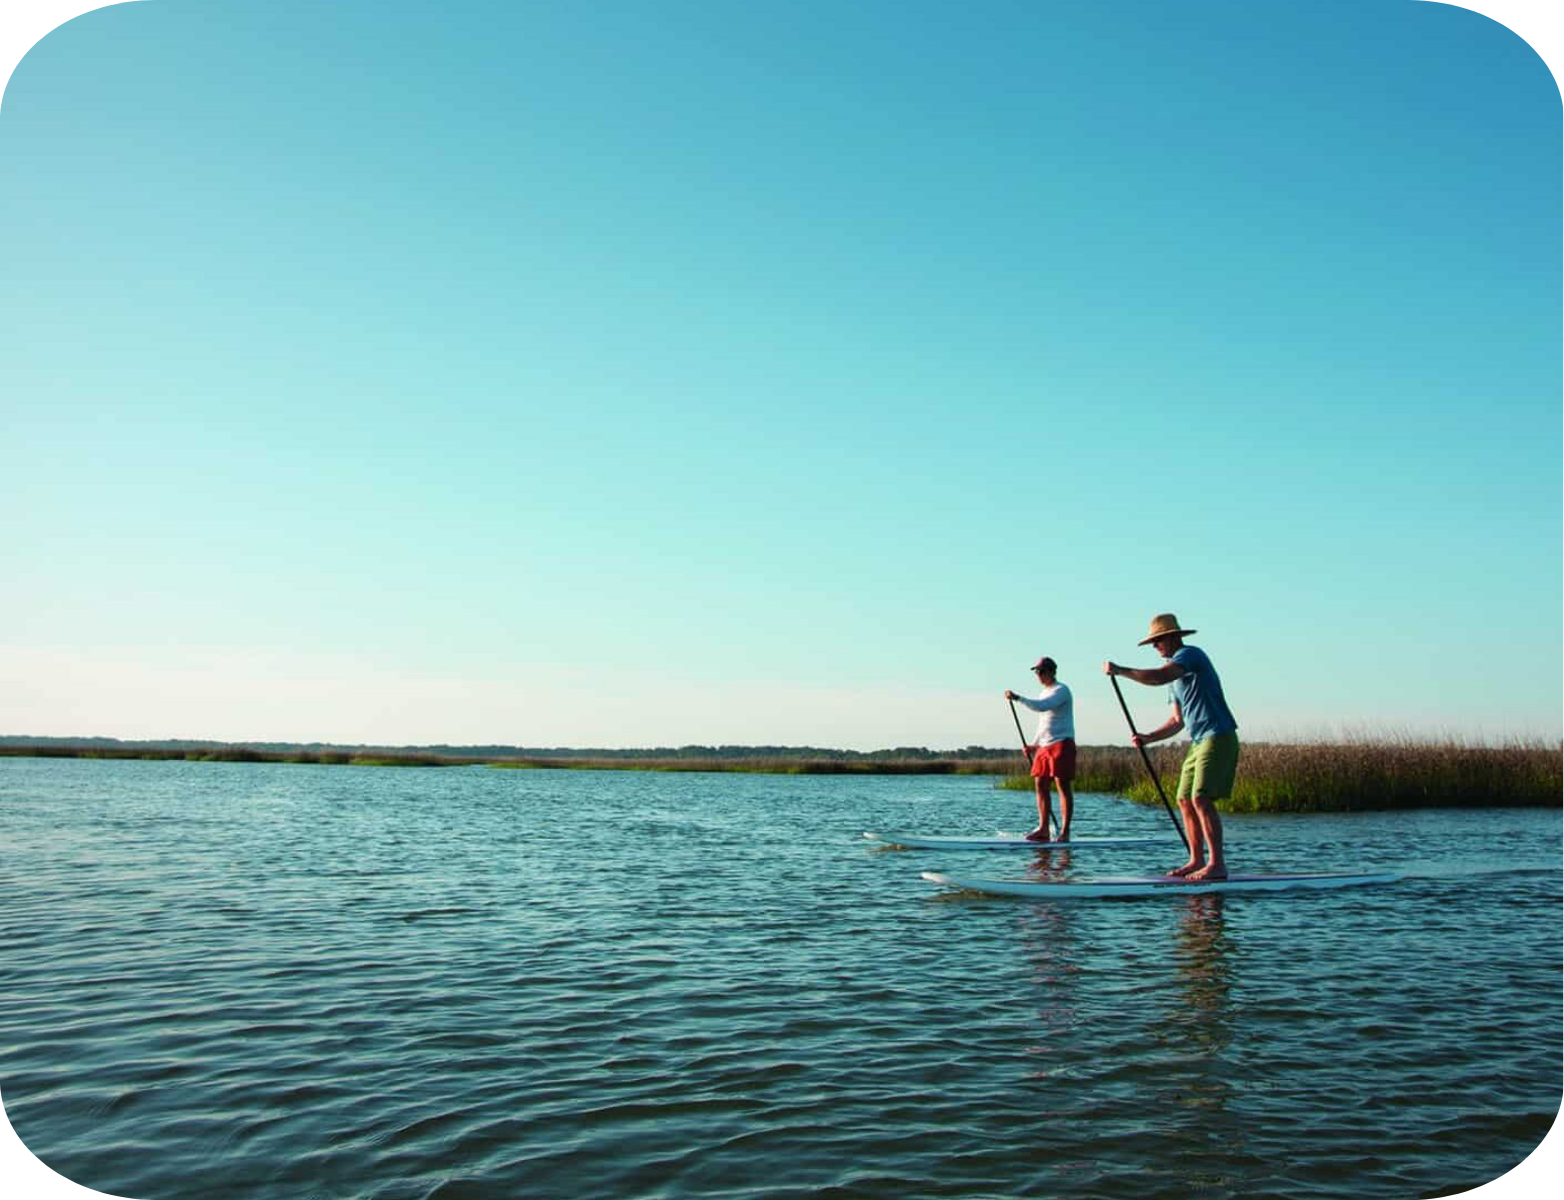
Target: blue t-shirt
{"type": "Point", "coordinates": [1199, 696]}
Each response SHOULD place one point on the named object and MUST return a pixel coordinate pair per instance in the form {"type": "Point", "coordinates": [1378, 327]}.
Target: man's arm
{"type": "Point", "coordinates": [1150, 676]}
{"type": "Point", "coordinates": [1043, 704]}
{"type": "Point", "coordinates": [1167, 729]}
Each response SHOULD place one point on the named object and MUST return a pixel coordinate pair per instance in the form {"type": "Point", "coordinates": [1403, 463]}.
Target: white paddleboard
{"type": "Point", "coordinates": [1004, 841]}
{"type": "Point", "coordinates": [1149, 885]}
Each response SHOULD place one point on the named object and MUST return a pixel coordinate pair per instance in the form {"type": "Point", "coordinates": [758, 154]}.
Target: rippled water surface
{"type": "Point", "coordinates": [288, 981]}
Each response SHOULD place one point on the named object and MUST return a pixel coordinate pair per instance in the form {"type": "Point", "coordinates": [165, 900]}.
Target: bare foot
{"type": "Point", "coordinates": [1210, 873]}
{"type": "Point", "coordinates": [1186, 869]}
{"type": "Point", "coordinates": [1038, 835]}
{"type": "Point", "coordinates": [1062, 836]}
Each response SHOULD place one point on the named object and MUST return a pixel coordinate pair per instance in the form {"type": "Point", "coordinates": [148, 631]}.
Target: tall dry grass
{"type": "Point", "coordinates": [1357, 774]}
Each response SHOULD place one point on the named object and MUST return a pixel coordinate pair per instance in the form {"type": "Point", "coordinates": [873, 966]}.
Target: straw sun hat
{"type": "Point", "coordinates": [1165, 625]}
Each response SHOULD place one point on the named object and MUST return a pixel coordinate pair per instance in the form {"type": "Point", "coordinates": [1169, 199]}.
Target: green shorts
{"type": "Point", "coordinates": [1209, 768]}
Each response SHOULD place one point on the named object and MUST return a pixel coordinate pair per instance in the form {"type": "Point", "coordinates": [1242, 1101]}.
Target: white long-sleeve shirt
{"type": "Point", "coordinates": [1057, 719]}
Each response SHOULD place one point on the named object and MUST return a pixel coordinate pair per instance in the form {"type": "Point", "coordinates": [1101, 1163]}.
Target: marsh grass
{"type": "Point", "coordinates": [1353, 775]}
{"type": "Point", "coordinates": [763, 760]}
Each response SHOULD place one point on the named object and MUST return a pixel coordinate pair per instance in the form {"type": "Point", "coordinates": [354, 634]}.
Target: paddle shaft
{"type": "Point", "coordinates": [1017, 720]}
{"type": "Point", "coordinates": [1146, 758]}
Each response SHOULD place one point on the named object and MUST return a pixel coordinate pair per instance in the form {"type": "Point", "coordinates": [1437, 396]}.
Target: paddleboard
{"type": "Point", "coordinates": [1149, 885]}
{"type": "Point", "coordinates": [1004, 841]}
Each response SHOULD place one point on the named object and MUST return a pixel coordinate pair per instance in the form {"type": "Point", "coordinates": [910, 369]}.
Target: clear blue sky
{"type": "Point", "coordinates": [643, 374]}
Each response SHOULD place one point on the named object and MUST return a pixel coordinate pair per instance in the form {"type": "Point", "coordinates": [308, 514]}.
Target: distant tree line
{"type": "Point", "coordinates": [486, 752]}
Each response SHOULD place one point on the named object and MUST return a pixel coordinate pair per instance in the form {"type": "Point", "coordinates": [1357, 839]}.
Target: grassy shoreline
{"type": "Point", "coordinates": [1273, 777]}
{"type": "Point", "coordinates": [1356, 775]}
{"type": "Point", "coordinates": [755, 760]}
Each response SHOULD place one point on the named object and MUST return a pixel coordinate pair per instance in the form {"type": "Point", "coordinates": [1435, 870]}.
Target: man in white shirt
{"type": "Point", "coordinates": [1052, 755]}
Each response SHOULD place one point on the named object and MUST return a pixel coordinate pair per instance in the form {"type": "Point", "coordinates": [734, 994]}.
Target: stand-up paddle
{"type": "Point", "coordinates": [1144, 757]}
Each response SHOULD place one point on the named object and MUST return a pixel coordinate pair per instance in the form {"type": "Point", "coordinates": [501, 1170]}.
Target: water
{"type": "Point", "coordinates": [289, 981]}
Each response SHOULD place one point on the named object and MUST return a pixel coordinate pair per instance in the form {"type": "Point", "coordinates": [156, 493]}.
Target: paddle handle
{"type": "Point", "coordinates": [1146, 758]}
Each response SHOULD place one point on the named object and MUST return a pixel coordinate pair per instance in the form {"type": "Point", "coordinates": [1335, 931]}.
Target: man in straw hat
{"type": "Point", "coordinates": [1052, 755]}
{"type": "Point", "coordinates": [1212, 760]}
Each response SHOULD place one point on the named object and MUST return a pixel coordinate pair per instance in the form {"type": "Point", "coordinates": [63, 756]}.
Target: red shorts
{"type": "Point", "coordinates": [1054, 761]}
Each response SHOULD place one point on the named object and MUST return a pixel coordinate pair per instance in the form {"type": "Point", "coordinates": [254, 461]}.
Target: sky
{"type": "Point", "coordinates": [639, 375]}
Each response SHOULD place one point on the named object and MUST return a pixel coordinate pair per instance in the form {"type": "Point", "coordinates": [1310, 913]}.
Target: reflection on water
{"type": "Point", "coordinates": [1053, 955]}
{"type": "Point", "coordinates": [1205, 965]}
{"type": "Point", "coordinates": [1045, 931]}
{"type": "Point", "coordinates": [1049, 865]}
{"type": "Point", "coordinates": [1202, 1021]}
{"type": "Point", "coordinates": [1200, 1079]}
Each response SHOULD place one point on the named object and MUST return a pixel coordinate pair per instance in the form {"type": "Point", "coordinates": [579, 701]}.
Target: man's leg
{"type": "Point", "coordinates": [1066, 805]}
{"type": "Point", "coordinates": [1211, 829]}
{"type": "Point", "coordinates": [1044, 815]}
{"type": "Point", "coordinates": [1192, 831]}
{"type": "Point", "coordinates": [1195, 836]}
{"type": "Point", "coordinates": [1213, 778]}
